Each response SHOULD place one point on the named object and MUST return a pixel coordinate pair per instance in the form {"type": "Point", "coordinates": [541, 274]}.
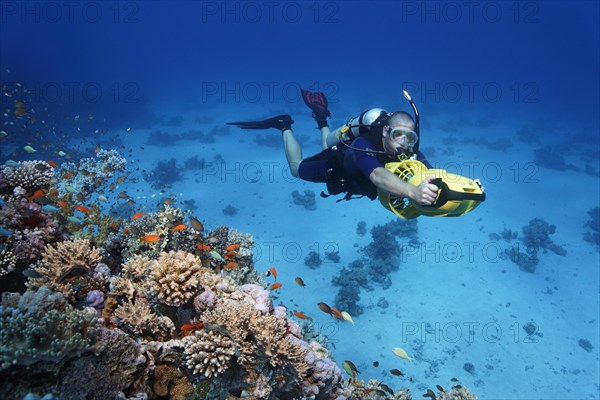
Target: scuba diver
{"type": "Point", "coordinates": [354, 156]}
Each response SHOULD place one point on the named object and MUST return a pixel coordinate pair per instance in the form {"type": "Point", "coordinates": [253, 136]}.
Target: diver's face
{"type": "Point", "coordinates": [400, 136]}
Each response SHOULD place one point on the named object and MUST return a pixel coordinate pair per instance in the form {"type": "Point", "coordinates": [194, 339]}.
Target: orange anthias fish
{"type": "Point", "coordinates": [67, 175]}
{"type": "Point", "coordinates": [203, 247]}
{"type": "Point", "coordinates": [188, 329]}
{"type": "Point", "coordinates": [179, 228]}
{"type": "Point", "coordinates": [275, 286]}
{"type": "Point", "coordinates": [233, 247]}
{"type": "Point", "coordinates": [52, 164]}
{"type": "Point", "coordinates": [231, 265]}
{"type": "Point", "coordinates": [62, 203]}
{"type": "Point", "coordinates": [230, 254]}
{"type": "Point", "coordinates": [301, 315]}
{"type": "Point", "coordinates": [137, 215]}
{"type": "Point", "coordinates": [83, 209]}
{"type": "Point", "coordinates": [38, 193]}
{"type": "Point", "coordinates": [274, 272]}
{"type": "Point", "coordinates": [150, 238]}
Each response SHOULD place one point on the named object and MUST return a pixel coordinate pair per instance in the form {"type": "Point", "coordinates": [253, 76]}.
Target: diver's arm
{"type": "Point", "coordinates": [424, 194]}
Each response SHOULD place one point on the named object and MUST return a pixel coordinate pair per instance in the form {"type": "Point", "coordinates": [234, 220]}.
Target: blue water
{"type": "Point", "coordinates": [495, 83]}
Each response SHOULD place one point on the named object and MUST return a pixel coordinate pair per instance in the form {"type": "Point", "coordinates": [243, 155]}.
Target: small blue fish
{"type": "Point", "coordinates": [74, 220]}
{"type": "Point", "coordinates": [2, 203]}
{"type": "Point", "coordinates": [49, 208]}
{"type": "Point", "coordinates": [5, 232]}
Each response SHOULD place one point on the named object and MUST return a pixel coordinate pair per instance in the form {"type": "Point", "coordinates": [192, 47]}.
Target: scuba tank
{"type": "Point", "coordinates": [356, 126]}
{"type": "Point", "coordinates": [368, 123]}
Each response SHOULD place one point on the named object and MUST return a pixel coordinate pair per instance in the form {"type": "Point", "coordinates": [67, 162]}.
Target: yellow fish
{"type": "Point", "coordinates": [29, 149]}
{"type": "Point", "coordinates": [399, 351]}
{"type": "Point", "coordinates": [347, 317]}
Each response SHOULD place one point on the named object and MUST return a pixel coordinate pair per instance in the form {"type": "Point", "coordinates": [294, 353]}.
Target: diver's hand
{"type": "Point", "coordinates": [426, 193]}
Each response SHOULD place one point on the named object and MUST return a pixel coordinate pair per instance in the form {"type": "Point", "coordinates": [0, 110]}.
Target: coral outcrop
{"type": "Point", "coordinates": [29, 175]}
{"type": "Point", "coordinates": [174, 277]}
{"type": "Point", "coordinates": [41, 325]}
{"type": "Point", "coordinates": [71, 267]}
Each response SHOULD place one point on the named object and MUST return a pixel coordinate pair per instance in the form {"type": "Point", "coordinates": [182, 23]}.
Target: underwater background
{"type": "Point", "coordinates": [113, 136]}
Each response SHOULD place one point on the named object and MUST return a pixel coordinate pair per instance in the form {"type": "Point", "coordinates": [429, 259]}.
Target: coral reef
{"type": "Point", "coordinates": [536, 237]}
{"type": "Point", "coordinates": [72, 268]}
{"type": "Point", "coordinates": [313, 260]}
{"type": "Point", "coordinates": [31, 229]}
{"type": "Point", "coordinates": [139, 319]}
{"type": "Point", "coordinates": [174, 277]}
{"type": "Point", "coordinates": [306, 200]}
{"type": "Point", "coordinates": [151, 306]}
{"type": "Point", "coordinates": [164, 174]}
{"type": "Point", "coordinates": [594, 224]}
{"type": "Point", "coordinates": [89, 174]}
{"type": "Point", "coordinates": [361, 228]}
{"type": "Point", "coordinates": [171, 383]}
{"type": "Point", "coordinates": [29, 175]}
{"type": "Point", "coordinates": [43, 326]}
{"type": "Point", "coordinates": [208, 352]}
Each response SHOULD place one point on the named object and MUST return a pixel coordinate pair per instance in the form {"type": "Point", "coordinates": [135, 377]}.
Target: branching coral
{"type": "Point", "coordinates": [208, 352]}
{"type": "Point", "coordinates": [30, 175]}
{"type": "Point", "coordinates": [31, 228]}
{"type": "Point", "coordinates": [174, 277]}
{"type": "Point", "coordinates": [42, 326]}
{"type": "Point", "coordinates": [160, 223]}
{"type": "Point", "coordinates": [7, 262]}
{"type": "Point", "coordinates": [70, 268]}
{"type": "Point", "coordinates": [171, 383]}
{"type": "Point", "coordinates": [90, 174]}
{"type": "Point", "coordinates": [139, 319]}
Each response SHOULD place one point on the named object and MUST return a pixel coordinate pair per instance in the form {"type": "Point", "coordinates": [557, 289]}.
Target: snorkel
{"type": "Point", "coordinates": [417, 125]}
{"type": "Point", "coordinates": [407, 152]}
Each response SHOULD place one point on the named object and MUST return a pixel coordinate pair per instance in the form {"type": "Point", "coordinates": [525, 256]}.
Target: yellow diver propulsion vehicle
{"type": "Point", "coordinates": [457, 194]}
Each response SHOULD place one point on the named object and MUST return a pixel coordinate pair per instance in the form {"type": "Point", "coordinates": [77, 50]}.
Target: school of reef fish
{"type": "Point", "coordinates": [97, 305]}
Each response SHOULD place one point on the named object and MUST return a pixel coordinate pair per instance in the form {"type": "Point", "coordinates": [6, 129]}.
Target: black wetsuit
{"type": "Point", "coordinates": [346, 170]}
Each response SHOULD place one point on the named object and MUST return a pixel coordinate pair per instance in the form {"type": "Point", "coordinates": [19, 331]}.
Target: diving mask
{"type": "Point", "coordinates": [408, 137]}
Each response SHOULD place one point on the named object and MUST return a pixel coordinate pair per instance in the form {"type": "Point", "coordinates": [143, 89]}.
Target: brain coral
{"type": "Point", "coordinates": [174, 277]}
